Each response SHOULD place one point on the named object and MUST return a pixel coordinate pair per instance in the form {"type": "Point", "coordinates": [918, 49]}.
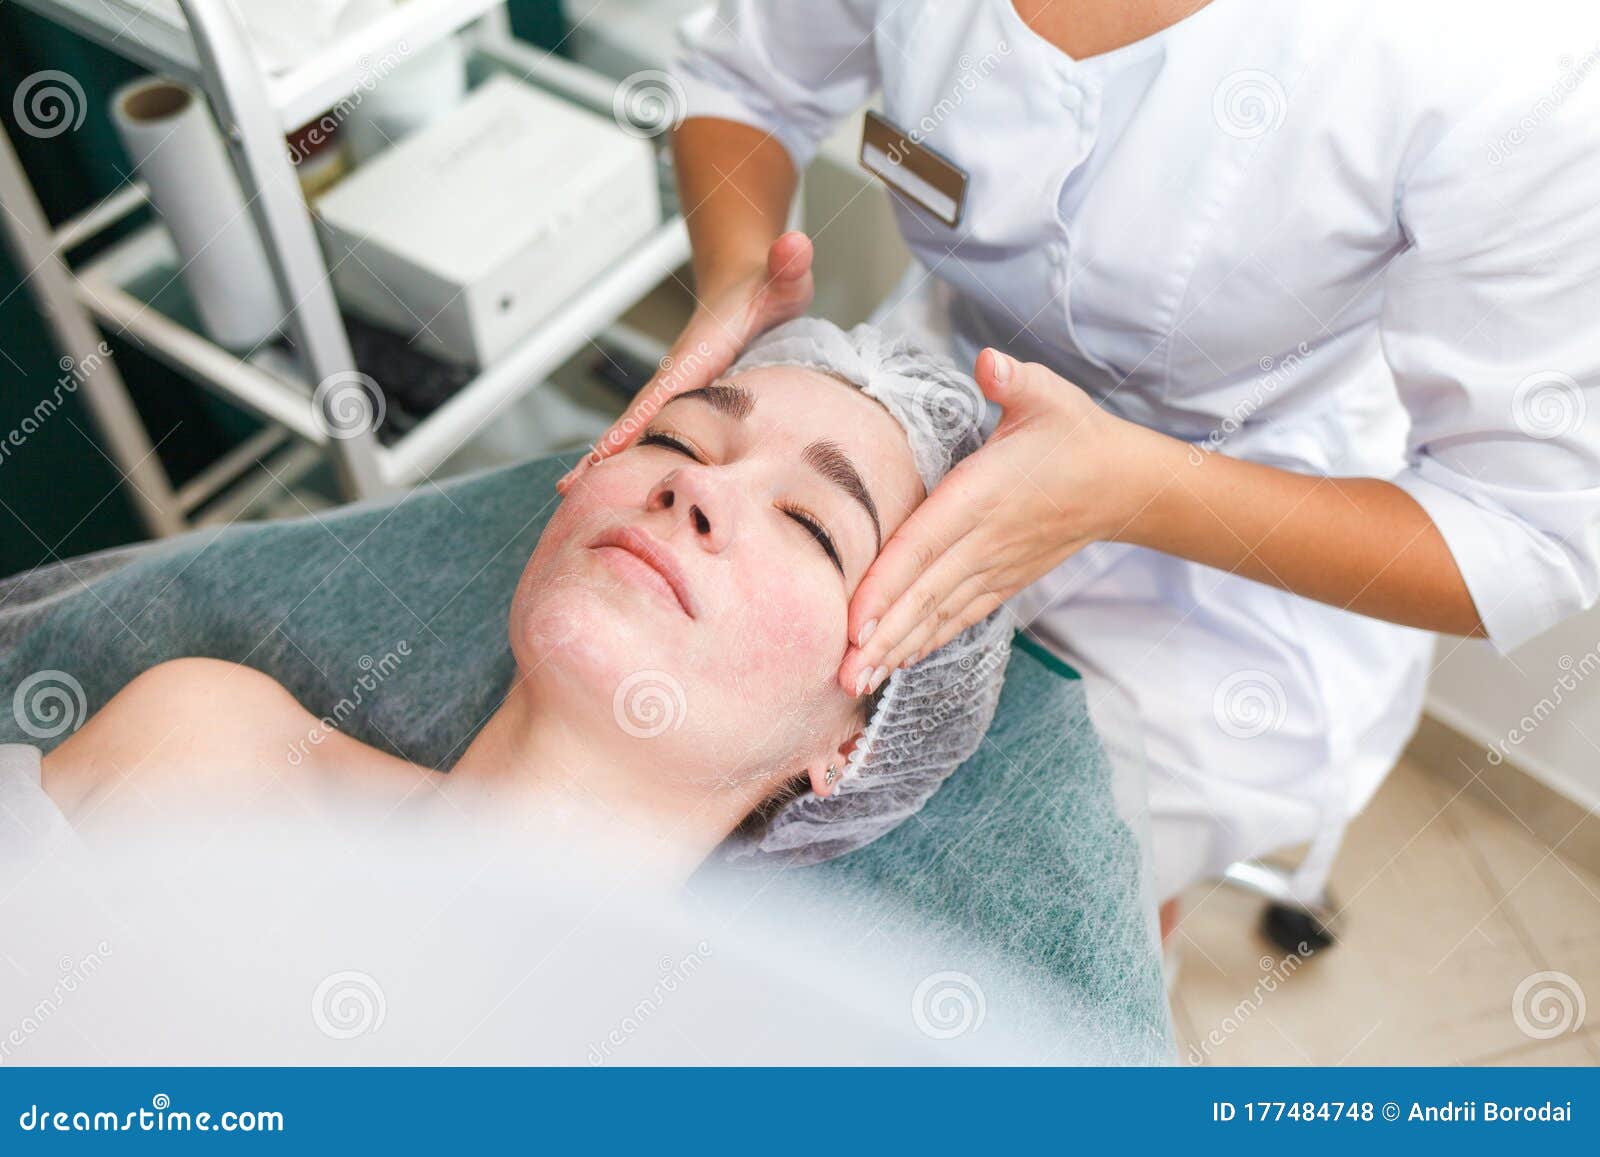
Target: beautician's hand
{"type": "Point", "coordinates": [1058, 473]}
{"type": "Point", "coordinates": [723, 323]}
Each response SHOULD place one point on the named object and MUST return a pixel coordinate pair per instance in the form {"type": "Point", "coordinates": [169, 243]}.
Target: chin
{"type": "Point", "coordinates": [589, 638]}
{"type": "Point", "coordinates": [603, 669]}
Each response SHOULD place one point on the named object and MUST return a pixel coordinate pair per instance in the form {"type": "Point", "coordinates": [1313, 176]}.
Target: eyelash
{"type": "Point", "coordinates": [810, 522]}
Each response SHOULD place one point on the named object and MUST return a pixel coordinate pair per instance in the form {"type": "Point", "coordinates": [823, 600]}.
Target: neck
{"type": "Point", "coordinates": [1085, 28]}
{"type": "Point", "coordinates": [564, 785]}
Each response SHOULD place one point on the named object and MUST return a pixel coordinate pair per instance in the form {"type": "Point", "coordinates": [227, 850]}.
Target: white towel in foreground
{"type": "Point", "coordinates": [29, 819]}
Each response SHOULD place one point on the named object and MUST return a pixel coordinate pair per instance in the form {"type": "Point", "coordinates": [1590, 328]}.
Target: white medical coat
{"type": "Point", "coordinates": [1357, 238]}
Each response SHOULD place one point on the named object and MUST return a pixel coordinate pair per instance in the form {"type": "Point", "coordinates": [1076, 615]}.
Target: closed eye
{"type": "Point", "coordinates": [799, 514]}
{"type": "Point", "coordinates": [825, 540]}
{"type": "Point", "coordinates": [669, 441]}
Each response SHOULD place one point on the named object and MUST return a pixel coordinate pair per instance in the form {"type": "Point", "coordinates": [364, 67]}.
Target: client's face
{"type": "Point", "coordinates": [690, 594]}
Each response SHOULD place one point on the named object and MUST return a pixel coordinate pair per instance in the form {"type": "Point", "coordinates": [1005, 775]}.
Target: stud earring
{"type": "Point", "coordinates": [832, 775]}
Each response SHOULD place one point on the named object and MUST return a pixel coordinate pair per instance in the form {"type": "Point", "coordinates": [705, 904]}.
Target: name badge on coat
{"type": "Point", "coordinates": [913, 170]}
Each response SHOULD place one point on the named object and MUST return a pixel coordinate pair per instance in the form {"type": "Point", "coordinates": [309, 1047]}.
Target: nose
{"type": "Point", "coordinates": [698, 505]}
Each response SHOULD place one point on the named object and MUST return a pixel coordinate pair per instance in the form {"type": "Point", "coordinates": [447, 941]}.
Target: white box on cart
{"type": "Point", "coordinates": [469, 233]}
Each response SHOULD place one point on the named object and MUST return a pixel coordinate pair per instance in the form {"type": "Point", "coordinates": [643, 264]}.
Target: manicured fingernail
{"type": "Point", "coordinates": [879, 674]}
{"type": "Point", "coordinates": [1002, 367]}
{"type": "Point", "coordinates": [861, 681]}
{"type": "Point", "coordinates": [909, 660]}
{"type": "Point", "coordinates": [866, 632]}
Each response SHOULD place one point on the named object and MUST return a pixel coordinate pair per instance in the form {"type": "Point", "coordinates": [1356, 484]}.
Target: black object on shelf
{"type": "Point", "coordinates": [414, 382]}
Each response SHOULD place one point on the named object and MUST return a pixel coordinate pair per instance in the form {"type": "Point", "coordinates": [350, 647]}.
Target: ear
{"type": "Point", "coordinates": [820, 782]}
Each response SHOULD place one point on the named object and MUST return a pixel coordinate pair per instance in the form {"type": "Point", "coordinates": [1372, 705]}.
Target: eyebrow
{"type": "Point", "coordinates": [823, 456]}
{"type": "Point", "coordinates": [734, 401]}
{"type": "Point", "coordinates": [828, 460]}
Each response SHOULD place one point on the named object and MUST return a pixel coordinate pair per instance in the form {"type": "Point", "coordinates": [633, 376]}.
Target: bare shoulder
{"type": "Point", "coordinates": [171, 696]}
{"type": "Point", "coordinates": [202, 736]}
{"type": "Point", "coordinates": [177, 717]}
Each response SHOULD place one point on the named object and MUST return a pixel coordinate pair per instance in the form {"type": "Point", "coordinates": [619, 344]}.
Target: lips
{"type": "Point", "coordinates": [654, 556]}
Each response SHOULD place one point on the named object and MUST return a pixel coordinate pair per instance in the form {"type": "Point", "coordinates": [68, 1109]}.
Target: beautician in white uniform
{"type": "Point", "coordinates": [1291, 309]}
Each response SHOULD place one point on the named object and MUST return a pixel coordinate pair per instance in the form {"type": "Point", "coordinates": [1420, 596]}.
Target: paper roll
{"type": "Point", "coordinates": [169, 134]}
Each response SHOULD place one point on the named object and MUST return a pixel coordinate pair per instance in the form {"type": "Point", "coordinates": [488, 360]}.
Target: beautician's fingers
{"type": "Point", "coordinates": [956, 505]}
{"type": "Point", "coordinates": [869, 672]}
{"type": "Point", "coordinates": [993, 489]}
{"type": "Point", "coordinates": [1031, 496]}
{"type": "Point", "coordinates": [713, 339]}
{"type": "Point", "coordinates": [981, 607]}
{"type": "Point", "coordinates": [702, 351]}
{"type": "Point", "coordinates": [967, 496]}
{"type": "Point", "coordinates": [930, 633]}
{"type": "Point", "coordinates": [949, 568]}
{"type": "Point", "coordinates": [565, 483]}
{"type": "Point", "coordinates": [941, 624]}
{"type": "Point", "coordinates": [789, 285]}
{"type": "Point", "coordinates": [939, 569]}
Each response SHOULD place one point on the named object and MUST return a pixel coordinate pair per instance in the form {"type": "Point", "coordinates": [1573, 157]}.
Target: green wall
{"type": "Point", "coordinates": [59, 496]}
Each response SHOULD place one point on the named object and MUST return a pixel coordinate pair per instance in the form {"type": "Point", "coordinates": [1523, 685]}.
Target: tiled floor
{"type": "Point", "coordinates": [1449, 905]}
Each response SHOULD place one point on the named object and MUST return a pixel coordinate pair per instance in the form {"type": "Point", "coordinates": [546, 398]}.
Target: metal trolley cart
{"type": "Point", "coordinates": [255, 110]}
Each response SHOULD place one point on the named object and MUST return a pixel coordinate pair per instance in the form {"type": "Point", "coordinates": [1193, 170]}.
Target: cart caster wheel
{"type": "Point", "coordinates": [1296, 930]}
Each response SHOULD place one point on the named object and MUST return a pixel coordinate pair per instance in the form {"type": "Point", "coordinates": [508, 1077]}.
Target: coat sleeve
{"type": "Point", "coordinates": [1491, 326]}
{"type": "Point", "coordinates": [789, 68]}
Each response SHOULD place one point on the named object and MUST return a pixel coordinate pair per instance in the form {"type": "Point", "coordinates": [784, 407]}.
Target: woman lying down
{"type": "Point", "coordinates": [710, 565]}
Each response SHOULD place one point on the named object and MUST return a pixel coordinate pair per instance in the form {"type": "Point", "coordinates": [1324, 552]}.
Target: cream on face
{"type": "Point", "coordinates": [715, 559]}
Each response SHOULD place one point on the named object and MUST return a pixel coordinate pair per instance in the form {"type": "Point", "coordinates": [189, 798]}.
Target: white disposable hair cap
{"type": "Point", "coordinates": [928, 718]}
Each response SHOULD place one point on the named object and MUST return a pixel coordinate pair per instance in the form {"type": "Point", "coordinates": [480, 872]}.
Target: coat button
{"type": "Point", "coordinates": [1072, 97]}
